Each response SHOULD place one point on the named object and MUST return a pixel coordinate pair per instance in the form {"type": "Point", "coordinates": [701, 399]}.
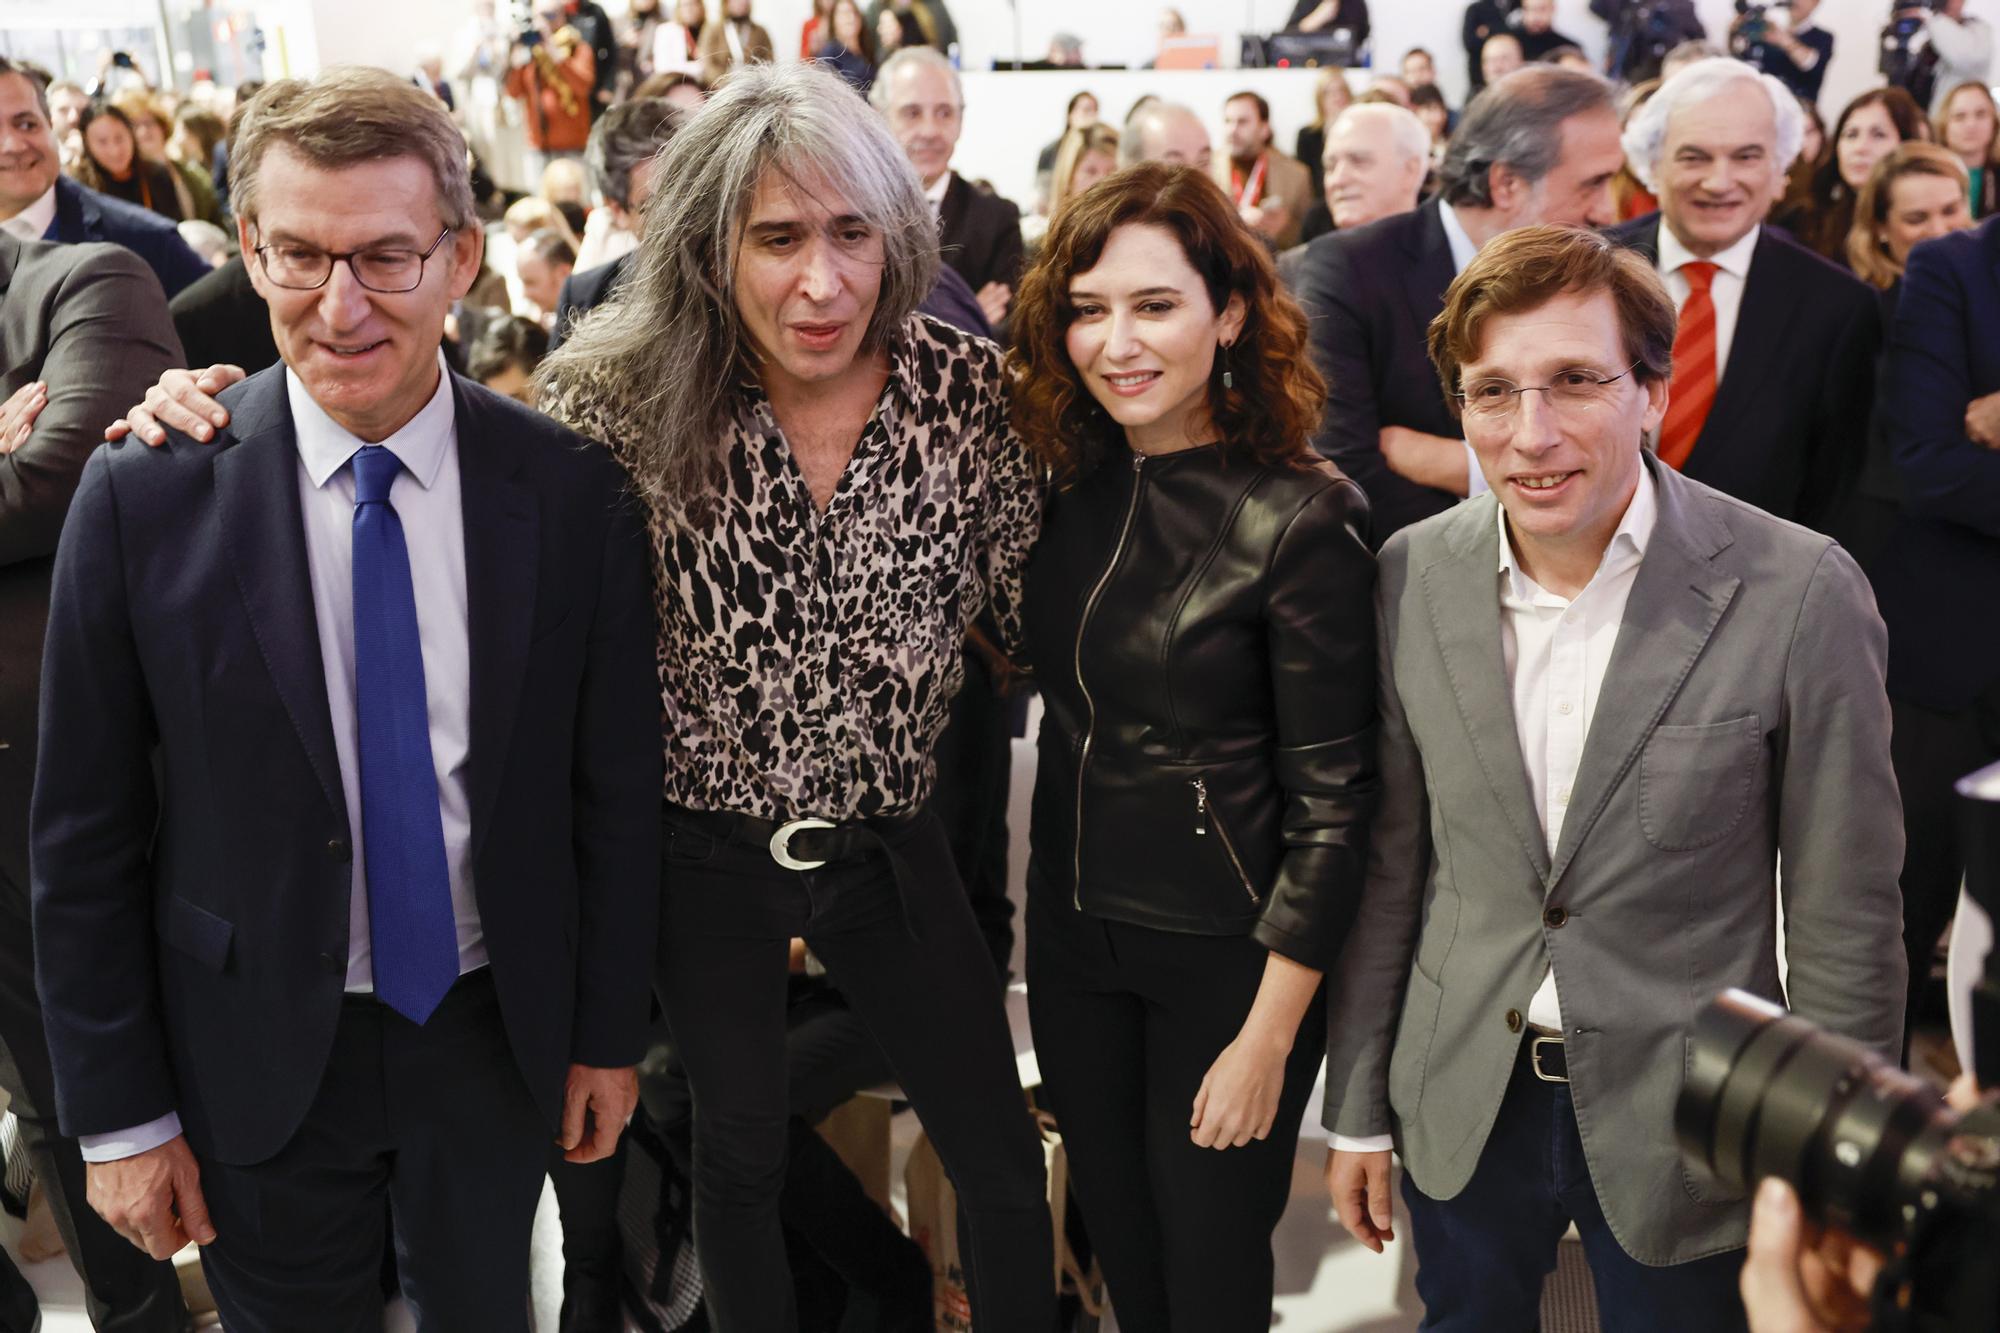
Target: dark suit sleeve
{"type": "Point", "coordinates": [616, 804]}
{"type": "Point", "coordinates": [1320, 621]}
{"type": "Point", "coordinates": [91, 828]}
{"type": "Point", "coordinates": [109, 338]}
{"type": "Point", "coordinates": [1841, 412]}
{"type": "Point", "coordinates": [1009, 254]}
{"type": "Point", "coordinates": [177, 266]}
{"type": "Point", "coordinates": [1930, 382]}
{"type": "Point", "coordinates": [1351, 429]}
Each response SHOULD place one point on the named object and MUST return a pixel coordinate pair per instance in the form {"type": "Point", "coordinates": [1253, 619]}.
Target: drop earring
{"type": "Point", "coordinates": [1228, 374]}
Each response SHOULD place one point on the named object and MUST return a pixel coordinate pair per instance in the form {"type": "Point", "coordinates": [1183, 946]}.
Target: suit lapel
{"type": "Point", "coordinates": [1461, 591]}
{"type": "Point", "coordinates": [951, 209]}
{"type": "Point", "coordinates": [1762, 321]}
{"type": "Point", "coordinates": [502, 552]}
{"type": "Point", "coordinates": [1430, 271]}
{"type": "Point", "coordinates": [1677, 599]}
{"type": "Point", "coordinates": [256, 481]}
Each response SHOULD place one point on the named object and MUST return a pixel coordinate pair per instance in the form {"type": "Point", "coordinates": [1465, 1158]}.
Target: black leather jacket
{"type": "Point", "coordinates": [1203, 632]}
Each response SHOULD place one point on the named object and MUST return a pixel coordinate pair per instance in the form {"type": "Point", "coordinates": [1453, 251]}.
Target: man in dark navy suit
{"type": "Point", "coordinates": [344, 836]}
{"type": "Point", "coordinates": [39, 203]}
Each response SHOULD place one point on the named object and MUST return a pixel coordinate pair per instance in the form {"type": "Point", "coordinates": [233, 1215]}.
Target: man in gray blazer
{"type": "Point", "coordinates": [1612, 700]}
{"type": "Point", "coordinates": [83, 329]}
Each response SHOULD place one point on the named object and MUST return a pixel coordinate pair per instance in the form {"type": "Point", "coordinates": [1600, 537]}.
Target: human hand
{"type": "Point", "coordinates": [596, 1105]}
{"type": "Point", "coordinates": [1799, 1278]}
{"type": "Point", "coordinates": [1358, 1184]}
{"type": "Point", "coordinates": [18, 413]}
{"type": "Point", "coordinates": [994, 298]}
{"type": "Point", "coordinates": [1238, 1097]}
{"type": "Point", "coordinates": [181, 400]}
{"type": "Point", "coordinates": [1982, 421]}
{"type": "Point", "coordinates": [152, 1199]}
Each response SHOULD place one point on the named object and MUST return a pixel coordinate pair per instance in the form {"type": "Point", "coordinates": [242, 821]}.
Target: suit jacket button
{"type": "Point", "coordinates": [337, 849]}
{"type": "Point", "coordinates": [334, 962]}
{"type": "Point", "coordinates": [1513, 1020]}
{"type": "Point", "coordinates": [1554, 918]}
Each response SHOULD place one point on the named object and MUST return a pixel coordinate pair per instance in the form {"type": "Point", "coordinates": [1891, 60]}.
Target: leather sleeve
{"type": "Point", "coordinates": [1319, 613]}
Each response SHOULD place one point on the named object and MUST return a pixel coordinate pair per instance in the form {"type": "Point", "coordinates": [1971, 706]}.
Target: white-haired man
{"type": "Point", "coordinates": [1773, 364]}
{"type": "Point", "coordinates": [1375, 161]}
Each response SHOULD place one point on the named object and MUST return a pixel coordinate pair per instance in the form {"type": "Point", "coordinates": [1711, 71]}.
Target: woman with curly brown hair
{"type": "Point", "coordinates": [1200, 620]}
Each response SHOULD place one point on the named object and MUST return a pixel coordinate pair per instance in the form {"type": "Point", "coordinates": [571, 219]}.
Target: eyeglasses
{"type": "Point", "coordinates": [301, 268]}
{"type": "Point", "coordinates": [1572, 391]}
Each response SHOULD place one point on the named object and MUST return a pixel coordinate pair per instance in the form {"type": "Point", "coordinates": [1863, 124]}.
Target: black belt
{"type": "Point", "coordinates": [1546, 1056]}
{"type": "Point", "coordinates": [809, 844]}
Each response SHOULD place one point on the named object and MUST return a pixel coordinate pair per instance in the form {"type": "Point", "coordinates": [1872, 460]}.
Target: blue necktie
{"type": "Point", "coordinates": [410, 922]}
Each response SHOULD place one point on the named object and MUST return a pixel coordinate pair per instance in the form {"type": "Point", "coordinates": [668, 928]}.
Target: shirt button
{"type": "Point", "coordinates": [1555, 917]}
{"type": "Point", "coordinates": [1564, 707]}
{"type": "Point", "coordinates": [1562, 796]}
{"type": "Point", "coordinates": [1513, 1020]}
{"type": "Point", "coordinates": [337, 849]}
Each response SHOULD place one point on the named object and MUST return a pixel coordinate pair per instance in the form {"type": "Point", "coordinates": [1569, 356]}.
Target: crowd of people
{"type": "Point", "coordinates": [528, 659]}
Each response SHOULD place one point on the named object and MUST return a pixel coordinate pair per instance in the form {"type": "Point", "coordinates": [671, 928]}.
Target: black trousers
{"type": "Point", "coordinates": [728, 915]}
{"type": "Point", "coordinates": [436, 1119]}
{"type": "Point", "coordinates": [1127, 1021]}
{"type": "Point", "coordinates": [1931, 751]}
{"type": "Point", "coordinates": [124, 1290]}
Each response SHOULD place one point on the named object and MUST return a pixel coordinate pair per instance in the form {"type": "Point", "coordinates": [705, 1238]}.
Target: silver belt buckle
{"type": "Point", "coordinates": [781, 843]}
{"type": "Point", "coordinates": [1535, 1058]}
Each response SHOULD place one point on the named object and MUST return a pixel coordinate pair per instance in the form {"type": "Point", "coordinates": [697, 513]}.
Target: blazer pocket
{"type": "Point", "coordinates": [1702, 1187]}
{"type": "Point", "coordinates": [1696, 782]}
{"type": "Point", "coordinates": [1415, 1033]}
{"type": "Point", "coordinates": [197, 932]}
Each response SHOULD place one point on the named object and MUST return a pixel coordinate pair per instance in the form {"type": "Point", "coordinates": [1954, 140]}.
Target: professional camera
{"type": "Point", "coordinates": [1871, 1150]}
{"type": "Point", "coordinates": [1901, 64]}
{"type": "Point", "coordinates": [1643, 31]}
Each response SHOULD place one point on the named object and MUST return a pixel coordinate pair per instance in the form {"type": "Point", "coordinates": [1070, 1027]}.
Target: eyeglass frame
{"type": "Point", "coordinates": [1516, 390]}
{"type": "Point", "coordinates": [335, 257]}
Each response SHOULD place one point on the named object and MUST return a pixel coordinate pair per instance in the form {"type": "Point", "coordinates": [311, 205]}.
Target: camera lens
{"type": "Point", "coordinates": [1768, 1094]}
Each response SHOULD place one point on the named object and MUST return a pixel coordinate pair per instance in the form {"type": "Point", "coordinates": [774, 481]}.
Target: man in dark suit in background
{"type": "Point", "coordinates": [38, 202]}
{"type": "Point", "coordinates": [619, 158]}
{"type": "Point", "coordinates": [1774, 364]}
{"type": "Point", "coordinates": [919, 93]}
{"type": "Point", "coordinates": [220, 317]}
{"type": "Point", "coordinates": [345, 830]}
{"type": "Point", "coordinates": [1940, 574]}
{"type": "Point", "coordinates": [82, 327]}
{"type": "Point", "coordinates": [1539, 146]}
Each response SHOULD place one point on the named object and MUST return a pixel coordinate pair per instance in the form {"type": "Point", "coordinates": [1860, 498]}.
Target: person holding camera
{"type": "Point", "coordinates": [1796, 54]}
{"type": "Point", "coordinates": [554, 72]}
{"type": "Point", "coordinates": [1946, 47]}
{"type": "Point", "coordinates": [1611, 700]}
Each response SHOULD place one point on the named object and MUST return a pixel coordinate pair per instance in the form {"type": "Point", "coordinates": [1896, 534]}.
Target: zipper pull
{"type": "Point", "coordinates": [1200, 807]}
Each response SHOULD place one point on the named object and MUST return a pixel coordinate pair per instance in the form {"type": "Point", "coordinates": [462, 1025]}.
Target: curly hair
{"type": "Point", "coordinates": [1273, 406]}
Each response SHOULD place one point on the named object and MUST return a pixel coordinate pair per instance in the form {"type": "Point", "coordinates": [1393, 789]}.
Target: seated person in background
{"type": "Point", "coordinates": [1419, 70]}
{"type": "Point", "coordinates": [1331, 96]}
{"type": "Point", "coordinates": [1868, 128]}
{"type": "Point", "coordinates": [543, 264]}
{"type": "Point", "coordinates": [1968, 123]}
{"type": "Point", "coordinates": [1376, 161]}
{"type": "Point", "coordinates": [1087, 156]}
{"type": "Point", "coordinates": [736, 39]}
{"type": "Point", "coordinates": [506, 355]}
{"type": "Point", "coordinates": [1539, 38]}
{"type": "Point", "coordinates": [1428, 104]}
{"type": "Point", "coordinates": [1164, 132]}
{"type": "Point", "coordinates": [1501, 55]}
{"type": "Point", "coordinates": [1330, 16]}
{"type": "Point", "coordinates": [849, 47]}
{"type": "Point", "coordinates": [1916, 193]}
{"type": "Point", "coordinates": [1271, 191]}
{"type": "Point", "coordinates": [929, 21]}
{"type": "Point", "coordinates": [1081, 113]}
{"type": "Point", "coordinates": [111, 164]}
{"type": "Point", "coordinates": [619, 161]}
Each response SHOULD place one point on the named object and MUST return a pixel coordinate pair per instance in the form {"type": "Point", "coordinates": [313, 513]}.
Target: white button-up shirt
{"type": "Point", "coordinates": [33, 222]}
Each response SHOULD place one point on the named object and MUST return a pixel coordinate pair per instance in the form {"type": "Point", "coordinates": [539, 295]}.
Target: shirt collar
{"type": "Point", "coordinates": [1463, 251]}
{"type": "Point", "coordinates": [325, 445]}
{"type": "Point", "coordinates": [1628, 542]}
{"type": "Point", "coordinates": [1735, 261]}
{"type": "Point", "coordinates": [907, 369]}
{"type": "Point", "coordinates": [935, 193]}
{"type": "Point", "coordinates": [33, 222]}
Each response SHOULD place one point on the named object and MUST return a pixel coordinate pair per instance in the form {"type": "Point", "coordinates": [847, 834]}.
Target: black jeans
{"type": "Point", "coordinates": [1127, 1021]}
{"type": "Point", "coordinates": [728, 913]}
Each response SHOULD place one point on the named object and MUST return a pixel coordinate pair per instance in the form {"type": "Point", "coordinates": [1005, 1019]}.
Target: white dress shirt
{"type": "Point", "coordinates": [1555, 653]}
{"type": "Point", "coordinates": [1725, 289]}
{"type": "Point", "coordinates": [934, 192]}
{"type": "Point", "coordinates": [32, 223]}
{"type": "Point", "coordinates": [426, 497]}
{"type": "Point", "coordinates": [1463, 252]}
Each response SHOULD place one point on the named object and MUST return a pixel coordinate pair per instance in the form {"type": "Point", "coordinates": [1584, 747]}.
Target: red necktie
{"type": "Point", "coordinates": [1693, 391]}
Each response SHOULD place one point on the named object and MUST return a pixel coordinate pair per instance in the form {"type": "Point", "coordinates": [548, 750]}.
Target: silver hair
{"type": "Point", "coordinates": [1412, 140]}
{"type": "Point", "coordinates": [1646, 132]}
{"type": "Point", "coordinates": [1136, 144]}
{"type": "Point", "coordinates": [624, 137]}
{"type": "Point", "coordinates": [1516, 123]}
{"type": "Point", "coordinates": [672, 351]}
{"type": "Point", "coordinates": [906, 58]}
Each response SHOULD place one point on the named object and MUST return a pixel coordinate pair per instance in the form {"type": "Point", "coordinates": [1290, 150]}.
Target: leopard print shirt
{"type": "Point", "coordinates": [807, 660]}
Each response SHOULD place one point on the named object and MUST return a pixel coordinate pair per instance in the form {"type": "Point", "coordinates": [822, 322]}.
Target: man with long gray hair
{"type": "Point", "coordinates": [1540, 145]}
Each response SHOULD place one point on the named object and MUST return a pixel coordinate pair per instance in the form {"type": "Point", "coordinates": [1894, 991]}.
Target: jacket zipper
{"type": "Point", "coordinates": [1090, 705]}
{"type": "Point", "coordinates": [1204, 811]}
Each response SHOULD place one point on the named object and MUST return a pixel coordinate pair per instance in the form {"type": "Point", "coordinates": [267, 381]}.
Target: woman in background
{"type": "Point", "coordinates": [1331, 96]}
{"type": "Point", "coordinates": [849, 47]}
{"type": "Point", "coordinates": [1968, 124]}
{"type": "Point", "coordinates": [110, 163]}
{"type": "Point", "coordinates": [1869, 127]}
{"type": "Point", "coordinates": [1200, 619]}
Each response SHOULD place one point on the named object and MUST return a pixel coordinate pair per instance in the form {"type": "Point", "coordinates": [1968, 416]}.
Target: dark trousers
{"type": "Point", "coordinates": [728, 914]}
{"type": "Point", "coordinates": [124, 1290]}
{"type": "Point", "coordinates": [1931, 751]}
{"type": "Point", "coordinates": [1483, 1255]}
{"type": "Point", "coordinates": [1127, 1021]}
{"type": "Point", "coordinates": [438, 1120]}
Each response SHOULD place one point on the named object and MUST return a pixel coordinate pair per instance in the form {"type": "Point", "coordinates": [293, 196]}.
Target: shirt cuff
{"type": "Point", "coordinates": [1367, 1143]}
{"type": "Point", "coordinates": [1475, 480]}
{"type": "Point", "coordinates": [130, 1142]}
